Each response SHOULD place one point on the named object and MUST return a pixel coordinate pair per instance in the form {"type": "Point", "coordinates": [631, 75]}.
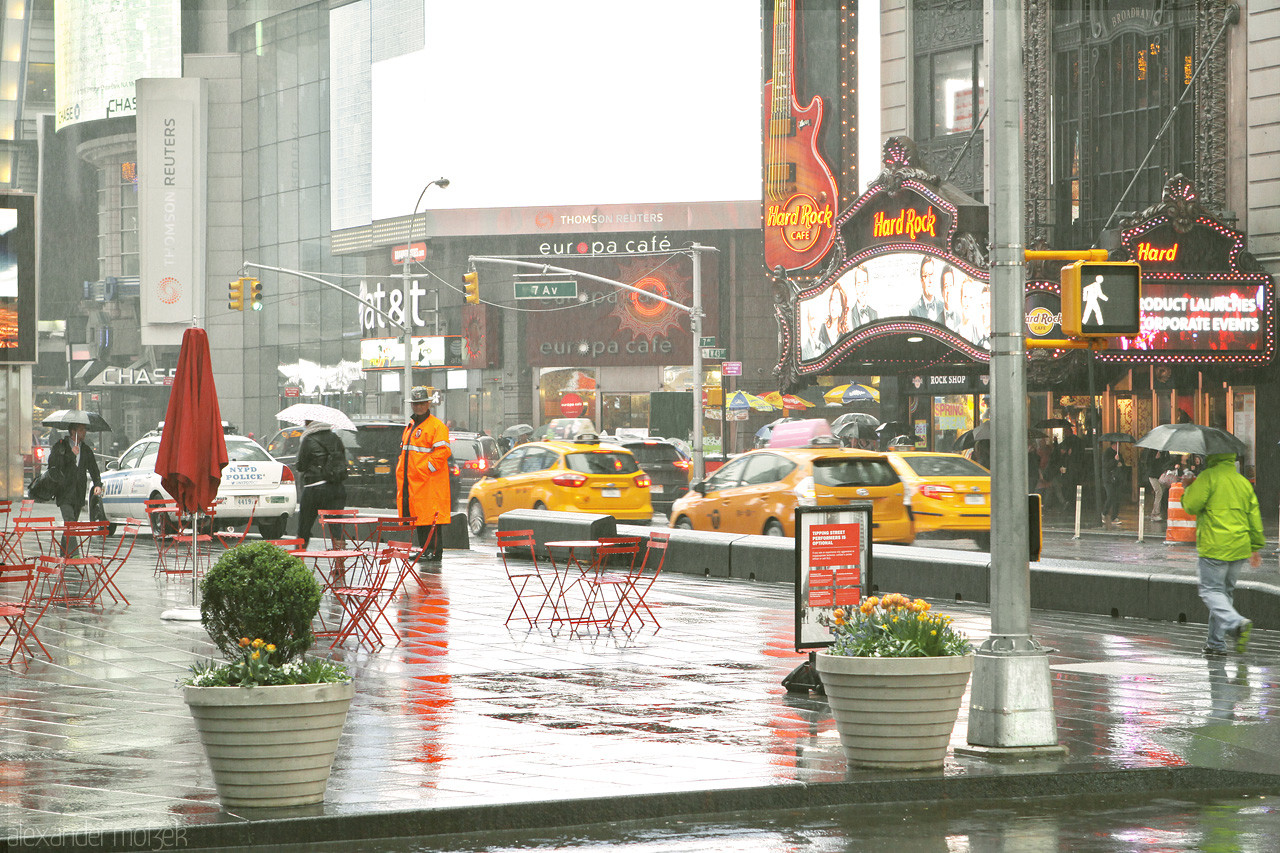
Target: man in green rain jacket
{"type": "Point", "coordinates": [1228, 532]}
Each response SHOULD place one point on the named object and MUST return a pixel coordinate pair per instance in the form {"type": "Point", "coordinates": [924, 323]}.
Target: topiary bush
{"type": "Point", "coordinates": [260, 591]}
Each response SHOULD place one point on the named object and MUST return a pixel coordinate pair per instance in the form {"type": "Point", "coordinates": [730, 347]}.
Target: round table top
{"type": "Point", "coordinates": [333, 553]}
{"type": "Point", "coordinates": [575, 543]}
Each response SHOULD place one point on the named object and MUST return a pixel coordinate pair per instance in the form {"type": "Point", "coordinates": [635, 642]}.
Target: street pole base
{"type": "Point", "coordinates": [1012, 753]}
{"type": "Point", "coordinates": [182, 614]}
{"type": "Point", "coordinates": [805, 678]}
{"type": "Point", "coordinates": [1011, 697]}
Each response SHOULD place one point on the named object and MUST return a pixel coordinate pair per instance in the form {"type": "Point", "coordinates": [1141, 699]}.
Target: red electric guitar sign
{"type": "Point", "coordinates": [799, 189]}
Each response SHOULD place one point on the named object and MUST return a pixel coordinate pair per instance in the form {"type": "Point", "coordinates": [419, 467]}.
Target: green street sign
{"type": "Point", "coordinates": [712, 352]}
{"type": "Point", "coordinates": [546, 290]}
{"type": "Point", "coordinates": [707, 342]}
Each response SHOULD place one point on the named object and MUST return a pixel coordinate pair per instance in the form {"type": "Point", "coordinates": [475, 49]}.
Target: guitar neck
{"type": "Point", "coordinates": [782, 46]}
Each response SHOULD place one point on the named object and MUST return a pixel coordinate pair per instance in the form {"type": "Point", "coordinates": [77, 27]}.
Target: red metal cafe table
{"type": "Point", "coordinates": [333, 568]}
{"type": "Point", "coordinates": [589, 571]}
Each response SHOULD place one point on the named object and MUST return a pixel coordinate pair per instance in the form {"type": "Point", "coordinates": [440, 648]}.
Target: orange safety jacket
{"type": "Point", "coordinates": [424, 458]}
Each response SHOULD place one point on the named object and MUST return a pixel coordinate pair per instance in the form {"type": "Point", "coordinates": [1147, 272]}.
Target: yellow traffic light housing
{"type": "Point", "coordinates": [235, 295]}
{"type": "Point", "coordinates": [255, 294]}
{"type": "Point", "coordinates": [471, 288]}
{"type": "Point", "coordinates": [1101, 300]}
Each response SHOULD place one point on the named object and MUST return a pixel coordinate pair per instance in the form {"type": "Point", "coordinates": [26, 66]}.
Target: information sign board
{"type": "Point", "coordinates": [833, 566]}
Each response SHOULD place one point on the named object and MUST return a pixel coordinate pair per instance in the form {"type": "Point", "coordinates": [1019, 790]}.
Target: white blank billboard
{"type": "Point", "coordinates": [562, 115]}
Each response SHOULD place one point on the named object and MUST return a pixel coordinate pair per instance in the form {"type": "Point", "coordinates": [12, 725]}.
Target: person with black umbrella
{"type": "Point", "coordinates": [74, 463]}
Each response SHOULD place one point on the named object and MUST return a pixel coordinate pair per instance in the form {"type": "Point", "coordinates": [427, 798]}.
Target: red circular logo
{"type": "Point", "coordinates": [572, 406]}
{"type": "Point", "coordinates": [169, 290]}
{"type": "Point", "coordinates": [543, 219]}
{"type": "Point", "coordinates": [583, 248]}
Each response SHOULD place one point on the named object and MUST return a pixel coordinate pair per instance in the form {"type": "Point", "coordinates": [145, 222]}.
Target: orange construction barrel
{"type": "Point", "coordinates": [1179, 526]}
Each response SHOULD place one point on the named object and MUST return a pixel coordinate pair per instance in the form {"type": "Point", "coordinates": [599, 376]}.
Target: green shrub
{"type": "Point", "coordinates": [260, 591]}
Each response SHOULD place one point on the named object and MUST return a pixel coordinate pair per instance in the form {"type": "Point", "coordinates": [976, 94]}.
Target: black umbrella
{"type": "Point", "coordinates": [856, 417]}
{"type": "Point", "coordinates": [67, 418]}
{"type": "Point", "coordinates": [1056, 423]}
{"type": "Point", "coordinates": [1116, 437]}
{"type": "Point", "coordinates": [855, 429]}
{"type": "Point", "coordinates": [1192, 438]}
{"type": "Point", "coordinates": [517, 431]}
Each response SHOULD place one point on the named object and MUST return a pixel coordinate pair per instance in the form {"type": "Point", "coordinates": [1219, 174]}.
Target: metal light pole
{"type": "Point", "coordinates": [1011, 702]}
{"type": "Point", "coordinates": [407, 381]}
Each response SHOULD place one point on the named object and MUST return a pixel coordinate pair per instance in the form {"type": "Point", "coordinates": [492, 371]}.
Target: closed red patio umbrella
{"type": "Point", "coordinates": [192, 451]}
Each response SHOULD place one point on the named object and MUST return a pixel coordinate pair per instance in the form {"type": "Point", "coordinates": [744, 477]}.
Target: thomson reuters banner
{"type": "Point", "coordinates": [171, 200]}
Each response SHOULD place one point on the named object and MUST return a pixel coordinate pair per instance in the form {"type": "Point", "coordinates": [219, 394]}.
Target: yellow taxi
{"type": "Point", "coordinates": [948, 494]}
{"type": "Point", "coordinates": [758, 492]}
{"type": "Point", "coordinates": [581, 475]}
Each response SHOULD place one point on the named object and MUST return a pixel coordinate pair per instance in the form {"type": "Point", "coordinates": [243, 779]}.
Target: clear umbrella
{"type": "Point", "coordinates": [300, 413]}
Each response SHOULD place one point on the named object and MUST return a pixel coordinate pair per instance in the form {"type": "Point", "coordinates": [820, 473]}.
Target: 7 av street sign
{"type": "Point", "coordinates": [546, 290]}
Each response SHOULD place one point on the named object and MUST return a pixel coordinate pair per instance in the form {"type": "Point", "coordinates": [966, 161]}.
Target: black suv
{"type": "Point", "coordinates": [474, 455]}
{"type": "Point", "coordinates": [667, 467]}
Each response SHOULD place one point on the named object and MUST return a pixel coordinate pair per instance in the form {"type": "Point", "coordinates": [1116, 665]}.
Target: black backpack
{"type": "Point", "coordinates": [334, 469]}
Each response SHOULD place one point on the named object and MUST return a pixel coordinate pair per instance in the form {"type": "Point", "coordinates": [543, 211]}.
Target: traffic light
{"type": "Point", "coordinates": [255, 294]}
{"type": "Point", "coordinates": [235, 295]}
{"type": "Point", "coordinates": [1101, 300]}
{"type": "Point", "coordinates": [471, 288]}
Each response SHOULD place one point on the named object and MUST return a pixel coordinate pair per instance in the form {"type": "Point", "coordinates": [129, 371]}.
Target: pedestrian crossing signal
{"type": "Point", "coordinates": [471, 288]}
{"type": "Point", "coordinates": [235, 295]}
{"type": "Point", "coordinates": [1101, 300]}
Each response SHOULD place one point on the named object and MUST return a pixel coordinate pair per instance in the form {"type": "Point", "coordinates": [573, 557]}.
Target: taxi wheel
{"type": "Point", "coordinates": [683, 523]}
{"type": "Point", "coordinates": [774, 528]}
{"type": "Point", "coordinates": [475, 518]}
{"type": "Point", "coordinates": [983, 541]}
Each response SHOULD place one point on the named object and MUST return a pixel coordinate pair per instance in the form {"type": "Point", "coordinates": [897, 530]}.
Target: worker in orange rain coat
{"type": "Point", "coordinates": [422, 474]}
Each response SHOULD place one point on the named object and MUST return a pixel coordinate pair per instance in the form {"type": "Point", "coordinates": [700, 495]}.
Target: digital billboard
{"type": "Point", "coordinates": [17, 279]}
{"type": "Point", "coordinates": [102, 46]}
{"type": "Point", "coordinates": [556, 117]}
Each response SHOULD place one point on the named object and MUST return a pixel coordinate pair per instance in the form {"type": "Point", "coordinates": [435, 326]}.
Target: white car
{"type": "Point", "coordinates": [252, 475]}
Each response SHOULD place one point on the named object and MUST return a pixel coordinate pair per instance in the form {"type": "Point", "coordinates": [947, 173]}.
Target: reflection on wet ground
{"type": "Point", "coordinates": [1240, 824]}
{"type": "Point", "coordinates": [467, 713]}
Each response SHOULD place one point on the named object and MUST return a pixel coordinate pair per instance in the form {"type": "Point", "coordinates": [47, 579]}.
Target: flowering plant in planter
{"type": "Point", "coordinates": [893, 626]}
{"type": "Point", "coordinates": [261, 591]}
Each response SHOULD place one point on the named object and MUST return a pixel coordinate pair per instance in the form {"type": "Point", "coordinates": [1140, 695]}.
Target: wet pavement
{"type": "Point", "coordinates": [469, 724]}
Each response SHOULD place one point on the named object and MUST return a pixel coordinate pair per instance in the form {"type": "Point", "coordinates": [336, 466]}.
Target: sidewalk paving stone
{"type": "Point", "coordinates": [471, 723]}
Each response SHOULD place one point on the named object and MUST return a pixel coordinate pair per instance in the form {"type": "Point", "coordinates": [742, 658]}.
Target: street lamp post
{"type": "Point", "coordinates": [407, 381]}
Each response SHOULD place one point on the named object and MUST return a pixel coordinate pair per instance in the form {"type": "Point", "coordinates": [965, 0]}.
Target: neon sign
{"type": "Point", "coordinates": [908, 223]}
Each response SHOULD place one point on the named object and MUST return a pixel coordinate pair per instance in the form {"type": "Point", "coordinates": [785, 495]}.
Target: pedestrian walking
{"type": "Point", "coordinates": [322, 462]}
{"type": "Point", "coordinates": [1228, 532]}
{"type": "Point", "coordinates": [74, 463]}
{"type": "Point", "coordinates": [422, 474]}
{"type": "Point", "coordinates": [1113, 482]}
{"type": "Point", "coordinates": [1158, 465]}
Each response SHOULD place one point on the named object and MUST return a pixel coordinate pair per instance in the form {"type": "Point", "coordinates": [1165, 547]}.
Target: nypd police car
{"type": "Point", "coordinates": [252, 477]}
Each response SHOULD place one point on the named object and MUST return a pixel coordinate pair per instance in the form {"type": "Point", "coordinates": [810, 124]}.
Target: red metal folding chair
{"type": "Point", "coordinates": [334, 533]}
{"type": "Point", "coordinates": [360, 604]}
{"type": "Point", "coordinates": [82, 546]}
{"type": "Point", "coordinates": [165, 522]}
{"type": "Point", "coordinates": [610, 576]}
{"type": "Point", "coordinates": [232, 536]}
{"type": "Point", "coordinates": [520, 575]}
{"type": "Point", "coordinates": [111, 563]}
{"type": "Point", "coordinates": [635, 597]}
{"type": "Point", "coordinates": [21, 613]}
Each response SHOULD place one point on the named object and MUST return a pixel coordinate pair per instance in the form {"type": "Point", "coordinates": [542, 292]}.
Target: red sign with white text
{"type": "Point", "coordinates": [835, 545]}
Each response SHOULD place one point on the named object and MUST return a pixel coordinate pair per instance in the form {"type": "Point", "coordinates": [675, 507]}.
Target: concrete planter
{"type": "Point", "coordinates": [270, 746]}
{"type": "Point", "coordinates": [895, 713]}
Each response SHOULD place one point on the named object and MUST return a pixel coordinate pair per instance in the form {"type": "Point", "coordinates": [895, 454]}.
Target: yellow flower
{"type": "Point", "coordinates": [271, 647]}
{"type": "Point", "coordinates": [255, 655]}
{"type": "Point", "coordinates": [867, 607]}
{"type": "Point", "coordinates": [244, 641]}
{"type": "Point", "coordinates": [933, 633]}
{"type": "Point", "coordinates": [259, 643]}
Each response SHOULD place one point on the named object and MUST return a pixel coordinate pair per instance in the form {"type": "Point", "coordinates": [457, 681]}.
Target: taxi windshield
{"type": "Point", "coordinates": [601, 462]}
{"type": "Point", "coordinates": [853, 472]}
{"type": "Point", "coordinates": [944, 466]}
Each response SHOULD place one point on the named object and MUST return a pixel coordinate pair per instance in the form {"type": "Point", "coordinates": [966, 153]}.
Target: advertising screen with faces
{"type": "Point", "coordinates": [898, 285]}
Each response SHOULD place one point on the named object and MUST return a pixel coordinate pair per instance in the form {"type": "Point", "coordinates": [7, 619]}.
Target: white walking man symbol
{"type": "Point", "coordinates": [1092, 293]}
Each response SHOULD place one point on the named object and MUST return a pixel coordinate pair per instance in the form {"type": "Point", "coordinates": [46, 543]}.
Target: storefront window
{"type": "Point", "coordinates": [567, 393]}
{"type": "Point", "coordinates": [952, 415]}
{"type": "Point", "coordinates": [624, 411]}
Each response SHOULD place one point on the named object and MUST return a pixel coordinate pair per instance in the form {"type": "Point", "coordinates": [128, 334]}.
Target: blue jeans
{"type": "Point", "coordinates": [1217, 584]}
